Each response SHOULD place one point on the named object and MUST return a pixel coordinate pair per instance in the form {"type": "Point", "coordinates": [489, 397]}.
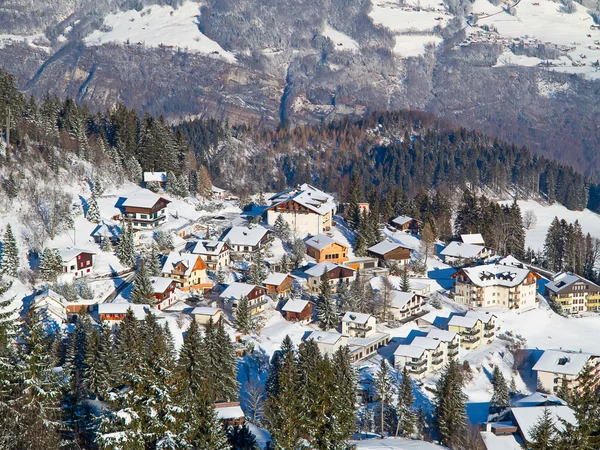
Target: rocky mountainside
{"type": "Point", "coordinates": [503, 70]}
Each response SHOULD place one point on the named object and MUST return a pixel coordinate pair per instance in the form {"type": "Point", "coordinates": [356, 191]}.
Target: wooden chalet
{"type": "Point", "coordinates": [145, 210]}
{"type": "Point", "coordinates": [229, 413]}
{"type": "Point", "coordinates": [163, 291]}
{"type": "Point", "coordinates": [279, 284]}
{"type": "Point", "coordinates": [335, 273]}
{"type": "Point", "coordinates": [390, 251]}
{"type": "Point", "coordinates": [405, 223]}
{"type": "Point", "coordinates": [76, 261]}
{"type": "Point", "coordinates": [326, 249]}
{"type": "Point", "coordinates": [296, 310]}
{"type": "Point", "coordinates": [188, 271]}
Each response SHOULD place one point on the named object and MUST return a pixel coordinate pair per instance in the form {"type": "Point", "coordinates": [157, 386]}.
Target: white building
{"type": "Point", "coordinates": [360, 348]}
{"type": "Point", "coordinates": [76, 261]}
{"type": "Point", "coordinates": [256, 296]}
{"type": "Point", "coordinates": [50, 306]}
{"type": "Point", "coordinates": [475, 239]}
{"type": "Point", "coordinates": [493, 286]}
{"type": "Point", "coordinates": [145, 210]}
{"type": "Point", "coordinates": [203, 314]}
{"type": "Point", "coordinates": [243, 239]}
{"type": "Point", "coordinates": [214, 253]}
{"type": "Point", "coordinates": [405, 304]}
{"type": "Point", "coordinates": [156, 177]}
{"type": "Point", "coordinates": [358, 325]}
{"type": "Point", "coordinates": [554, 366]}
{"type": "Point", "coordinates": [427, 355]}
{"type": "Point", "coordinates": [460, 252]}
{"type": "Point", "coordinates": [308, 210]}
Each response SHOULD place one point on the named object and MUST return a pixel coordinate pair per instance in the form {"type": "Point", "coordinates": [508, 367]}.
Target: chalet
{"type": "Point", "coordinates": [163, 291]}
{"type": "Point", "coordinates": [188, 270]}
{"type": "Point", "coordinates": [573, 293]}
{"type": "Point", "coordinates": [115, 312]}
{"type": "Point", "coordinates": [203, 314]}
{"type": "Point", "coordinates": [279, 284]}
{"type": "Point", "coordinates": [327, 341]}
{"type": "Point", "coordinates": [217, 193]}
{"type": "Point", "coordinates": [50, 306]}
{"type": "Point", "coordinates": [155, 177]}
{"type": "Point", "coordinates": [386, 250]}
{"type": "Point", "coordinates": [305, 208]}
{"type": "Point", "coordinates": [366, 265]}
{"type": "Point", "coordinates": [554, 366]}
{"type": "Point", "coordinates": [76, 261]}
{"type": "Point", "coordinates": [296, 310]}
{"type": "Point", "coordinates": [107, 231]}
{"type": "Point", "coordinates": [461, 253]}
{"type": "Point", "coordinates": [335, 273]}
{"type": "Point", "coordinates": [246, 239]}
{"type": "Point", "coordinates": [405, 223]}
{"type": "Point", "coordinates": [358, 325]}
{"type": "Point", "coordinates": [230, 414]}
{"type": "Point", "coordinates": [525, 420]}
{"type": "Point", "coordinates": [145, 210]}
{"type": "Point", "coordinates": [405, 305]}
{"type": "Point", "coordinates": [496, 286]}
{"type": "Point", "coordinates": [324, 248]}
{"type": "Point", "coordinates": [214, 253]}
{"type": "Point", "coordinates": [474, 239]}
{"type": "Point", "coordinates": [256, 296]}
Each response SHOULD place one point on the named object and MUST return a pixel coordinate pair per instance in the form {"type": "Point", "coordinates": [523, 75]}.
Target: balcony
{"type": "Point", "coordinates": [471, 339]}
{"type": "Point", "coordinates": [417, 363]}
{"type": "Point", "coordinates": [452, 353]}
{"type": "Point", "coordinates": [470, 332]}
{"type": "Point", "coordinates": [437, 354]}
{"type": "Point", "coordinates": [488, 334]}
{"type": "Point", "coordinates": [418, 371]}
{"type": "Point", "coordinates": [452, 346]}
{"type": "Point", "coordinates": [489, 326]}
{"type": "Point", "coordinates": [359, 328]}
{"type": "Point", "coordinates": [257, 304]}
{"type": "Point", "coordinates": [437, 361]}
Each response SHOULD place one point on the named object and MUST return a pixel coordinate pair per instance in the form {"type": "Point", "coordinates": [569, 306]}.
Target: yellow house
{"type": "Point", "coordinates": [325, 249]}
{"type": "Point", "coordinates": [188, 270]}
{"type": "Point", "coordinates": [474, 328]}
{"type": "Point", "coordinates": [574, 293]}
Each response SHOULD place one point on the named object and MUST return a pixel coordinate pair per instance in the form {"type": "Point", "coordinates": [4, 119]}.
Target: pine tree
{"type": "Point", "coordinates": [219, 277]}
{"type": "Point", "coordinates": [172, 184]}
{"type": "Point", "coordinates": [282, 228]}
{"type": "Point", "coordinates": [93, 212]}
{"type": "Point", "coordinates": [343, 392]}
{"type": "Point", "coordinates": [353, 211]}
{"type": "Point", "coordinates": [258, 271]}
{"type": "Point", "coordinates": [142, 292]}
{"type": "Point", "coordinates": [543, 433]}
{"type": "Point", "coordinates": [298, 252]}
{"type": "Point", "coordinates": [126, 248]}
{"type": "Point", "coordinates": [152, 262]}
{"type": "Point", "coordinates": [10, 253]}
{"type": "Point", "coordinates": [50, 263]}
{"type": "Point", "coordinates": [101, 366]}
{"type": "Point", "coordinates": [220, 363]}
{"type": "Point", "coordinates": [344, 296]}
{"type": "Point", "coordinates": [501, 397]}
{"type": "Point", "coordinates": [404, 280]}
{"type": "Point", "coordinates": [241, 438]}
{"type": "Point", "coordinates": [405, 416]}
{"type": "Point", "coordinates": [450, 406]}
{"type": "Point", "coordinates": [326, 309]}
{"type": "Point", "coordinates": [243, 317]}
{"type": "Point", "coordinates": [427, 241]}
{"type": "Point", "coordinates": [554, 246]}
{"type": "Point", "coordinates": [106, 245]}
{"type": "Point", "coordinates": [383, 385]}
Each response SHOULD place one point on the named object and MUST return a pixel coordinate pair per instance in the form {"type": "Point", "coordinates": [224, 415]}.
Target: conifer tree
{"type": "Point", "coordinates": [142, 292]}
{"type": "Point", "coordinates": [405, 416]}
{"type": "Point", "coordinates": [258, 271]}
{"type": "Point", "coordinates": [244, 322]}
{"type": "Point", "coordinates": [345, 300]}
{"type": "Point", "coordinates": [100, 362]}
{"type": "Point", "coordinates": [106, 245]}
{"type": "Point", "coordinates": [450, 406]}
{"type": "Point", "coordinates": [10, 253]}
{"type": "Point", "coordinates": [219, 277]}
{"type": "Point", "coordinates": [543, 433]}
{"type": "Point", "coordinates": [152, 262]}
{"type": "Point", "coordinates": [220, 363]}
{"type": "Point", "coordinates": [343, 391]}
{"type": "Point", "coordinates": [282, 228]}
{"type": "Point", "coordinates": [50, 263]}
{"type": "Point", "coordinates": [190, 364]}
{"type": "Point", "coordinates": [383, 385]}
{"type": "Point", "coordinates": [326, 309]}
{"type": "Point", "coordinates": [554, 246]}
{"type": "Point", "coordinates": [241, 438]}
{"type": "Point", "coordinates": [126, 248]}
{"type": "Point", "coordinates": [93, 212]}
{"type": "Point", "coordinates": [404, 280]}
{"type": "Point", "coordinates": [298, 252]}
{"type": "Point", "coordinates": [500, 398]}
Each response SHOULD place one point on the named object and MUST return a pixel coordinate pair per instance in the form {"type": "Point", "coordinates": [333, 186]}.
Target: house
{"type": "Point", "coordinates": [475, 239]}
{"type": "Point", "coordinates": [203, 314]}
{"type": "Point", "coordinates": [405, 223]}
{"type": "Point", "coordinates": [554, 366]}
{"type": "Point", "coordinates": [405, 304]}
{"type": "Point", "coordinates": [246, 239]}
{"type": "Point", "coordinates": [417, 287]}
{"type": "Point", "coordinates": [115, 312]}
{"type": "Point", "coordinates": [296, 310]}
{"type": "Point", "coordinates": [305, 208]}
{"type": "Point", "coordinates": [279, 284]}
{"type": "Point", "coordinates": [474, 328]}
{"type": "Point", "coordinates": [496, 286]}
{"type": "Point", "coordinates": [155, 177]}
{"type": "Point", "coordinates": [217, 193]}
{"type": "Point", "coordinates": [459, 252]}
{"type": "Point", "coordinates": [427, 355]}
{"type": "Point", "coordinates": [107, 231]}
{"type": "Point", "coordinates": [214, 253]}
{"type": "Point", "coordinates": [188, 270]}
{"type": "Point", "coordinates": [360, 348]}
{"type": "Point", "coordinates": [450, 339]}
{"type": "Point", "coordinates": [145, 210]}
{"type": "Point", "coordinates": [256, 296]}
{"type": "Point", "coordinates": [365, 265]}
{"type": "Point", "coordinates": [335, 273]}
{"type": "Point", "coordinates": [414, 358]}
{"type": "Point", "coordinates": [50, 306]}
{"type": "Point", "coordinates": [386, 251]}
{"type": "Point", "coordinates": [76, 261]}
{"type": "Point", "coordinates": [358, 325]}
{"type": "Point", "coordinates": [163, 291]}
{"type": "Point", "coordinates": [229, 413]}
{"type": "Point", "coordinates": [538, 399]}
{"type": "Point", "coordinates": [526, 418]}
{"type": "Point", "coordinates": [328, 341]}
{"type": "Point", "coordinates": [573, 293]}
{"type": "Point", "coordinates": [324, 248]}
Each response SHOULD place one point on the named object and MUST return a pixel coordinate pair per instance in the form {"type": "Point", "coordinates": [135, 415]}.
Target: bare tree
{"type": "Point", "coordinates": [383, 299]}
{"type": "Point", "coordinates": [427, 240]}
{"type": "Point", "coordinates": [529, 219]}
{"type": "Point", "coordinates": [253, 401]}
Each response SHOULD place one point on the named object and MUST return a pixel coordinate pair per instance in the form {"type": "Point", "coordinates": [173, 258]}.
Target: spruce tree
{"type": "Point", "coordinates": [50, 263]}
{"type": "Point", "coordinates": [220, 363]}
{"type": "Point", "coordinates": [190, 366]}
{"type": "Point", "coordinates": [243, 320]}
{"type": "Point", "coordinates": [93, 212]}
{"type": "Point", "coordinates": [554, 246]}
{"type": "Point", "coordinates": [142, 292]}
{"type": "Point", "coordinates": [152, 262]}
{"type": "Point", "coordinates": [298, 252]}
{"type": "Point", "coordinates": [384, 386]}
{"type": "Point", "coordinates": [404, 280]}
{"type": "Point", "coordinates": [10, 253]}
{"type": "Point", "coordinates": [501, 397]}
{"type": "Point", "coordinates": [241, 438]}
{"type": "Point", "coordinates": [126, 248]}
{"type": "Point", "coordinates": [258, 270]}
{"type": "Point", "coordinates": [344, 296]}
{"type": "Point", "coordinates": [343, 392]}
{"type": "Point", "coordinates": [326, 309]}
{"type": "Point", "coordinates": [450, 406]}
{"type": "Point", "coordinates": [405, 416]}
{"type": "Point", "coordinates": [282, 228]}
{"type": "Point", "coordinates": [543, 433]}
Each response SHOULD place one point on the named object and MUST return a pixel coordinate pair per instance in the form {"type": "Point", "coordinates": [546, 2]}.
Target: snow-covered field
{"type": "Point", "coordinates": [340, 40]}
{"type": "Point", "coordinates": [155, 26]}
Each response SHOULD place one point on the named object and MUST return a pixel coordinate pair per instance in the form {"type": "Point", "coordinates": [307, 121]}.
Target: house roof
{"type": "Point", "coordinates": [245, 236]}
{"type": "Point", "coordinates": [357, 318]}
{"type": "Point", "coordinates": [409, 351]}
{"type": "Point", "coordinates": [527, 417]}
{"type": "Point", "coordinates": [187, 259]}
{"type": "Point", "coordinates": [463, 321]}
{"type": "Point", "coordinates": [205, 311]}
{"type": "Point", "coordinates": [384, 247]}
{"type": "Point", "coordinates": [563, 280]}
{"type": "Point", "coordinates": [52, 312]}
{"type": "Point", "coordinates": [325, 337]}
{"type": "Point", "coordinates": [160, 284]}
{"type": "Point", "coordinates": [275, 278]}
{"type": "Point", "coordinates": [558, 361]}
{"type": "Point", "coordinates": [401, 220]}
{"type": "Point", "coordinates": [506, 442]}
{"type": "Point", "coordinates": [49, 293]}
{"type": "Point", "coordinates": [237, 290]}
{"type": "Point", "coordinates": [510, 260]}
{"type": "Point", "coordinates": [295, 305]}
{"type": "Point", "coordinates": [495, 275]}
{"type": "Point", "coordinates": [475, 238]}
{"type": "Point", "coordinates": [322, 241]}
{"type": "Point", "coordinates": [318, 269]}
{"type": "Point", "coordinates": [107, 230]}
{"type": "Point", "coordinates": [208, 247]}
{"type": "Point", "coordinates": [442, 335]}
{"type": "Point", "coordinates": [485, 317]}
{"type": "Point", "coordinates": [539, 399]}
{"type": "Point", "coordinates": [155, 176]}
{"type": "Point", "coordinates": [229, 412]}
{"type": "Point", "coordinates": [426, 342]}
{"type": "Point", "coordinates": [139, 311]}
{"type": "Point", "coordinates": [68, 253]}
{"type": "Point", "coordinates": [400, 299]}
{"type": "Point", "coordinates": [143, 199]}
{"type": "Point", "coordinates": [461, 250]}
{"type": "Point", "coordinates": [216, 190]}
{"type": "Point", "coordinates": [306, 195]}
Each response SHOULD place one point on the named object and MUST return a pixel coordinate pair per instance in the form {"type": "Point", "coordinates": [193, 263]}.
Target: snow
{"type": "Point", "coordinates": [475, 238]}
{"type": "Point", "coordinates": [325, 337]}
{"type": "Point", "coordinates": [229, 412]}
{"type": "Point", "coordinates": [160, 284]}
{"type": "Point", "coordinates": [384, 247]}
{"type": "Point", "coordinates": [161, 177]}
{"type": "Point", "coordinates": [526, 418]}
{"type": "Point", "coordinates": [205, 311]}
{"type": "Point", "coordinates": [395, 444]}
{"type": "Point", "coordinates": [34, 40]}
{"type": "Point", "coordinates": [442, 335]}
{"type": "Point", "coordinates": [188, 260]}
{"type": "Point", "coordinates": [340, 40]}
{"type": "Point", "coordinates": [156, 26]}
{"type": "Point", "coordinates": [320, 241]}
{"type": "Point", "coordinates": [408, 45]}
{"type": "Point", "coordinates": [237, 290]}
{"type": "Point", "coordinates": [493, 442]}
{"type": "Point", "coordinates": [556, 361]}
{"type": "Point", "coordinates": [318, 269]}
{"type": "Point", "coordinates": [357, 318]}
{"type": "Point", "coordinates": [428, 343]}
{"type": "Point", "coordinates": [508, 58]}
{"type": "Point", "coordinates": [295, 306]}
{"type": "Point", "coordinates": [245, 236]}
{"type": "Point", "coordinates": [275, 278]}
{"type": "Point", "coordinates": [412, 351]}
{"type": "Point", "coordinates": [463, 321]}
{"type": "Point", "coordinates": [461, 250]}
{"type": "Point", "coordinates": [496, 275]}
{"type": "Point", "coordinates": [142, 199]}
{"type": "Point", "coordinates": [139, 311]}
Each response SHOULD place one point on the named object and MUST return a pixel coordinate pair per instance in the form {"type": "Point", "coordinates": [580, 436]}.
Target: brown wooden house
{"type": "Point", "coordinates": [335, 272]}
{"type": "Point", "coordinates": [326, 249]}
{"type": "Point", "coordinates": [296, 310]}
{"type": "Point", "coordinates": [279, 284]}
{"type": "Point", "coordinates": [405, 223]}
{"type": "Point", "coordinates": [145, 210]}
{"type": "Point", "coordinates": [229, 413]}
{"type": "Point", "coordinates": [76, 261]}
{"type": "Point", "coordinates": [386, 251]}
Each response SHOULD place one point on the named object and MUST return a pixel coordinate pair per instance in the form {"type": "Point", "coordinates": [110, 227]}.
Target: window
{"type": "Point", "coordinates": [143, 216]}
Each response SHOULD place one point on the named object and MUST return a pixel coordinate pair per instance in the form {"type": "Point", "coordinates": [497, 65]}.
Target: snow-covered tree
{"type": "Point", "coordinates": [282, 228]}
{"type": "Point", "coordinates": [126, 248]}
{"type": "Point", "coordinates": [258, 270]}
{"type": "Point", "coordinates": [543, 433]}
{"type": "Point", "coordinates": [93, 212]}
{"type": "Point", "coordinates": [450, 406]}
{"type": "Point", "coordinates": [164, 240]}
{"type": "Point", "coordinates": [241, 438]}
{"type": "Point", "coordinates": [405, 415]}
{"type": "Point", "coordinates": [404, 280]}
{"type": "Point", "coordinates": [10, 253]}
{"type": "Point", "coordinates": [152, 262]}
{"type": "Point", "coordinates": [501, 397]}
{"type": "Point", "coordinates": [345, 299]}
{"type": "Point", "coordinates": [326, 308]}
{"type": "Point", "coordinates": [106, 245]}
{"type": "Point", "coordinates": [243, 320]}
{"type": "Point", "coordinates": [142, 291]}
{"type": "Point", "coordinates": [85, 290]}
{"type": "Point", "coordinates": [384, 386]}
{"type": "Point", "coordinates": [298, 251]}
{"type": "Point", "coordinates": [50, 263]}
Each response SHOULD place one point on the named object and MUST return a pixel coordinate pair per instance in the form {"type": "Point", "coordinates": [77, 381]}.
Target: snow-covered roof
{"type": "Point", "coordinates": [510, 260]}
{"type": "Point", "coordinates": [229, 412]}
{"type": "Point", "coordinates": [496, 275]}
{"type": "Point", "coordinates": [206, 247]}
{"type": "Point", "coordinates": [400, 299]}
{"type": "Point", "coordinates": [216, 190]}
{"type": "Point", "coordinates": [401, 220]}
{"type": "Point", "coordinates": [475, 238]}
{"type": "Point", "coordinates": [237, 290]}
{"type": "Point", "coordinates": [426, 342]}
{"type": "Point", "coordinates": [357, 318]}
{"type": "Point", "coordinates": [205, 311]}
{"type": "Point", "coordinates": [49, 293]}
{"type": "Point", "coordinates": [51, 312]}
{"type": "Point", "coordinates": [505, 442]}
{"type": "Point", "coordinates": [366, 341]}
{"type": "Point", "coordinates": [325, 337]}
{"type": "Point", "coordinates": [69, 253]}
{"type": "Point", "coordinates": [155, 176]}
{"type": "Point", "coordinates": [539, 399]}
{"type": "Point", "coordinates": [187, 259]}
{"type": "Point", "coordinates": [275, 278]}
{"type": "Point", "coordinates": [442, 335]}
{"type": "Point", "coordinates": [321, 241]}
{"type": "Point", "coordinates": [485, 317]}
{"type": "Point", "coordinates": [107, 229]}
{"type": "Point", "coordinates": [160, 284]}
{"type": "Point", "coordinates": [564, 280]}
{"type": "Point", "coordinates": [526, 418]}
{"type": "Point", "coordinates": [308, 196]}
{"type": "Point", "coordinates": [295, 305]}
{"type": "Point", "coordinates": [464, 322]}
{"type": "Point", "coordinates": [391, 443]}
{"type": "Point", "coordinates": [139, 311]}
{"type": "Point", "coordinates": [245, 236]}
{"type": "Point", "coordinates": [559, 361]}
{"type": "Point", "coordinates": [384, 247]}
{"type": "Point", "coordinates": [318, 269]}
{"type": "Point", "coordinates": [409, 351]}
{"type": "Point", "coordinates": [457, 249]}
{"type": "Point", "coordinates": [143, 199]}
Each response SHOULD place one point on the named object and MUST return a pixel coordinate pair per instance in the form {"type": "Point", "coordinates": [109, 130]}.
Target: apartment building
{"type": "Point", "coordinates": [474, 328]}
{"type": "Point", "coordinates": [554, 366]}
{"type": "Point", "coordinates": [358, 324]}
{"type": "Point", "coordinates": [573, 293]}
